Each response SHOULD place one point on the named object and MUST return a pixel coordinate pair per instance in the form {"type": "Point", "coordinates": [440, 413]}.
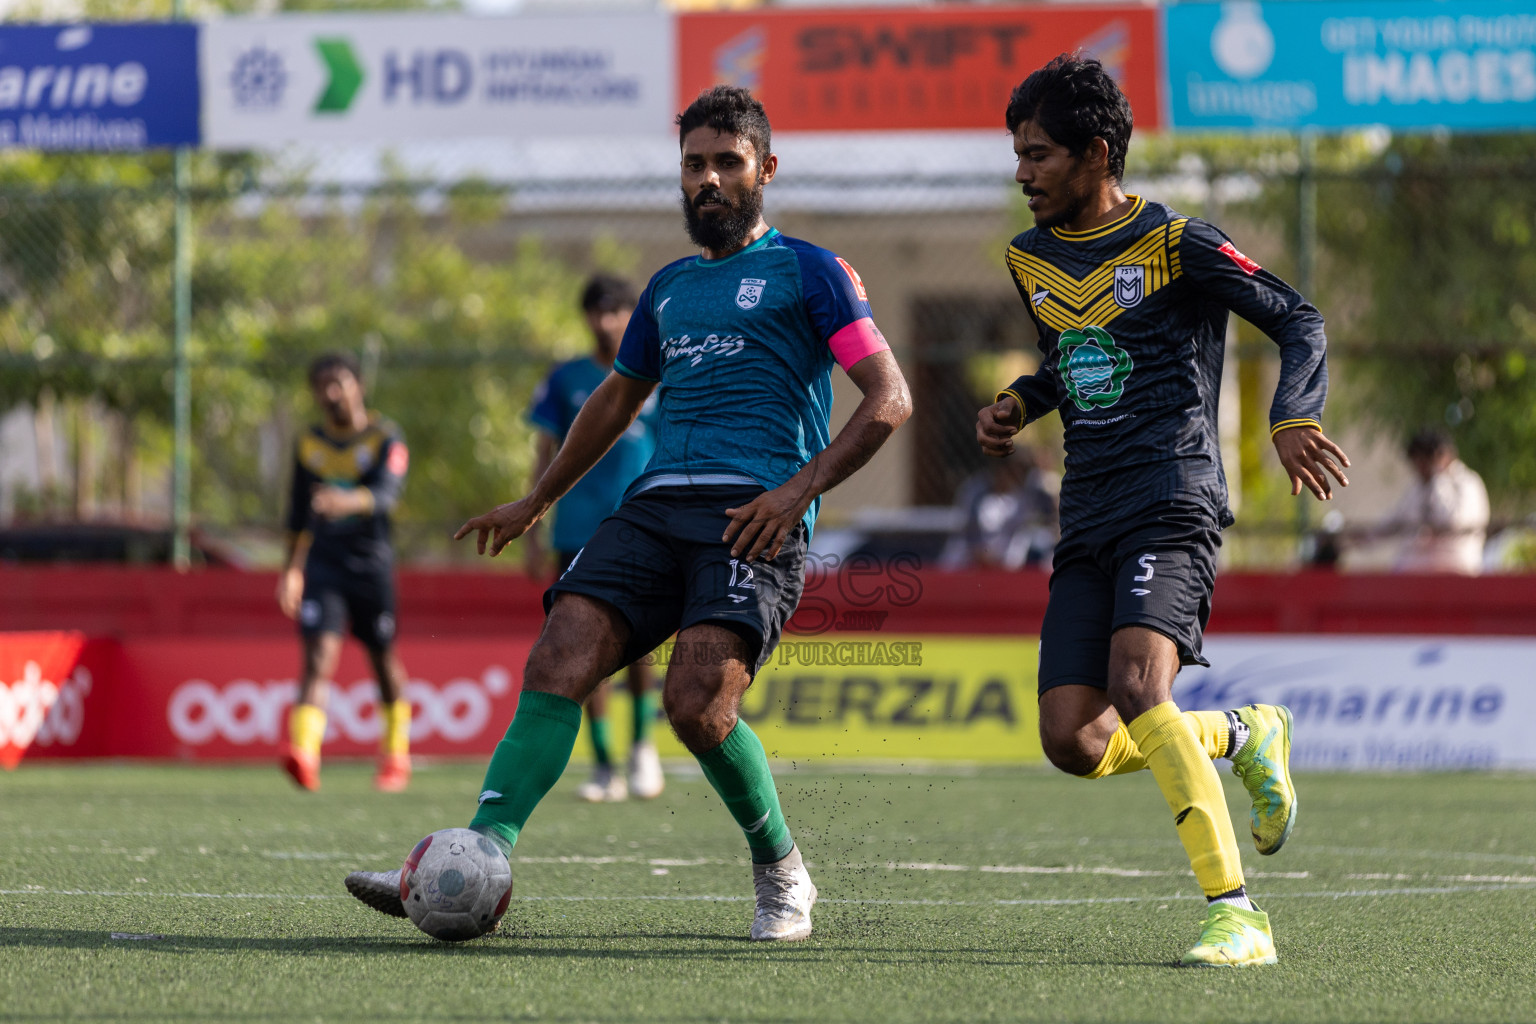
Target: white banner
{"type": "Point", "coordinates": [1381, 703]}
{"type": "Point", "coordinates": [387, 77]}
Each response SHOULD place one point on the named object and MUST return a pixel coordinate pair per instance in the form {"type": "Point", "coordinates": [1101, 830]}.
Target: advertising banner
{"type": "Point", "coordinates": [911, 697]}
{"type": "Point", "coordinates": [42, 690]}
{"type": "Point", "coordinates": [1413, 64]}
{"type": "Point", "coordinates": [1360, 703]}
{"type": "Point", "coordinates": [387, 77]}
{"type": "Point", "coordinates": [895, 69]}
{"type": "Point", "coordinates": [1381, 703]}
{"type": "Point", "coordinates": [103, 87]}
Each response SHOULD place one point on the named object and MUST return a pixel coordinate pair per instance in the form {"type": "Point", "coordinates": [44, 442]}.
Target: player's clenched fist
{"type": "Point", "coordinates": [503, 524]}
{"type": "Point", "coordinates": [996, 425]}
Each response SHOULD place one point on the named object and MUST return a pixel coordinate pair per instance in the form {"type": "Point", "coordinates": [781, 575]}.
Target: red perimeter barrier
{"type": "Point", "coordinates": [203, 666]}
{"type": "Point", "coordinates": [863, 597]}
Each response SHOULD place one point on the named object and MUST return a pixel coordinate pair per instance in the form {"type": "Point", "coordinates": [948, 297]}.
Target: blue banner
{"type": "Point", "coordinates": [1412, 65]}
{"type": "Point", "coordinates": [104, 87]}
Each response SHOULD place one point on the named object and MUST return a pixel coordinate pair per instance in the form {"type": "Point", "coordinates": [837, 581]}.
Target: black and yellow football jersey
{"type": "Point", "coordinates": [1132, 320]}
{"type": "Point", "coordinates": [375, 458]}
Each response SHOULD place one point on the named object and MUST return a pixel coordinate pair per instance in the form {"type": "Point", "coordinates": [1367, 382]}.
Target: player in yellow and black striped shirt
{"type": "Point", "coordinates": [1130, 300]}
{"type": "Point", "coordinates": [348, 472]}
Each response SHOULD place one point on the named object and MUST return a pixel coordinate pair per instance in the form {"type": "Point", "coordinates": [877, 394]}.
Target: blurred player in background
{"type": "Point", "coordinates": [710, 542]}
{"type": "Point", "coordinates": [1130, 300]}
{"type": "Point", "coordinates": [348, 471]}
{"type": "Point", "coordinates": [607, 303]}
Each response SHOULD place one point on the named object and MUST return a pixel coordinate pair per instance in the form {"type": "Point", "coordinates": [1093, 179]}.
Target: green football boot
{"type": "Point", "coordinates": [1232, 938]}
{"type": "Point", "coordinates": [1264, 765]}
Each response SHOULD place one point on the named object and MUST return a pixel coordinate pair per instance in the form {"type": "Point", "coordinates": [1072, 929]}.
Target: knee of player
{"type": "Point", "coordinates": [549, 670]}
{"type": "Point", "coordinates": [1070, 750]}
{"type": "Point", "coordinates": [700, 721]}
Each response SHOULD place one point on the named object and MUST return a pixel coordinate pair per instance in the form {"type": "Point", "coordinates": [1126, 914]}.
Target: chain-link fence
{"type": "Point", "coordinates": [458, 295]}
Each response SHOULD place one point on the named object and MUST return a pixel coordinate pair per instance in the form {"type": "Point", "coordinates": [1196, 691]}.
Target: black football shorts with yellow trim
{"type": "Point", "coordinates": [335, 597]}
{"type": "Point", "coordinates": [659, 560]}
{"type": "Point", "coordinates": [1157, 571]}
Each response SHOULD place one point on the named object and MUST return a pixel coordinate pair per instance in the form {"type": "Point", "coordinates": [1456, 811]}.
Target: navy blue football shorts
{"type": "Point", "coordinates": [335, 597]}
{"type": "Point", "coordinates": [1158, 571]}
{"type": "Point", "coordinates": [659, 560]}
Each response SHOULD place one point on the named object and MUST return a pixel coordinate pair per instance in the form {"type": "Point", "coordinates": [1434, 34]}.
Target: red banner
{"type": "Point", "coordinates": [213, 698]}
{"type": "Point", "coordinates": [42, 692]}
{"type": "Point", "coordinates": [883, 69]}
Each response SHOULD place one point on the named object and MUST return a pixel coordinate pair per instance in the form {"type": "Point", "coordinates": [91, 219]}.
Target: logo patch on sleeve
{"type": "Point", "coordinates": [1247, 265]}
{"type": "Point", "coordinates": [853, 275]}
{"type": "Point", "coordinates": [399, 459]}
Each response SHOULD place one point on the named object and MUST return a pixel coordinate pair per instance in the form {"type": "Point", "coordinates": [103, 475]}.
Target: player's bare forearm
{"type": "Point", "coordinates": [607, 414]}
{"type": "Point", "coordinates": [761, 526]}
{"type": "Point", "coordinates": [533, 552]}
{"type": "Point", "coordinates": [885, 406]}
{"type": "Point", "coordinates": [1310, 458]}
{"type": "Point", "coordinates": [603, 417]}
{"type": "Point", "coordinates": [298, 550]}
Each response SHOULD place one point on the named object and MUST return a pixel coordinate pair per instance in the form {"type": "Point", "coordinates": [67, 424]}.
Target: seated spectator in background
{"type": "Point", "coordinates": [1010, 510]}
{"type": "Point", "coordinates": [1442, 518]}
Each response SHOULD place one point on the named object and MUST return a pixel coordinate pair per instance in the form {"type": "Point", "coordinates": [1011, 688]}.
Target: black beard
{"type": "Point", "coordinates": [729, 229]}
{"type": "Point", "coordinates": [1074, 206]}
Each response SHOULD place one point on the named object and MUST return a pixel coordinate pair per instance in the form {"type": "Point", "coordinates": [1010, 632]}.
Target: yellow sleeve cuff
{"type": "Point", "coordinates": [1023, 408]}
{"type": "Point", "coordinates": [1288, 424]}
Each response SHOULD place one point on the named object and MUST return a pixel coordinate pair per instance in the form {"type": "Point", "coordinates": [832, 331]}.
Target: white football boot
{"type": "Point", "coordinates": [606, 786]}
{"type": "Point", "coordinates": [785, 895]}
{"type": "Point", "coordinates": [645, 778]}
{"type": "Point", "coordinates": [379, 889]}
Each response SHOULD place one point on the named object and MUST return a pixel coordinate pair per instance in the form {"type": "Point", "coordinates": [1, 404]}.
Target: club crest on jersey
{"type": "Point", "coordinates": [1130, 285]}
{"type": "Point", "coordinates": [1093, 368]}
{"type": "Point", "coordinates": [751, 292]}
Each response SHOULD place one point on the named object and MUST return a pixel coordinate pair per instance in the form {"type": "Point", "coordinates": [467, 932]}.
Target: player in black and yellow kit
{"type": "Point", "coordinates": [1130, 300]}
{"type": "Point", "coordinates": [348, 472]}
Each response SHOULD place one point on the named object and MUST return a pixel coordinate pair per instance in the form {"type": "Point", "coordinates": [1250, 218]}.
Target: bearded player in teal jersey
{"type": "Point", "coordinates": [710, 541]}
{"type": "Point", "coordinates": [1130, 300]}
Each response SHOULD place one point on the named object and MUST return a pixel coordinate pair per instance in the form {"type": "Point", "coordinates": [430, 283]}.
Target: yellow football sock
{"type": "Point", "coordinates": [306, 727]}
{"type": "Point", "coordinates": [1121, 756]}
{"type": "Point", "coordinates": [395, 736]}
{"type": "Point", "coordinates": [1213, 731]}
{"type": "Point", "coordinates": [1193, 790]}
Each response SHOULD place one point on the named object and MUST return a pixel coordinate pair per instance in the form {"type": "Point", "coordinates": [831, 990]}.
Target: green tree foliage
{"type": "Point", "coordinates": [1426, 269]}
{"type": "Point", "coordinates": [453, 341]}
{"type": "Point", "coordinates": [1438, 232]}
{"type": "Point", "coordinates": [458, 342]}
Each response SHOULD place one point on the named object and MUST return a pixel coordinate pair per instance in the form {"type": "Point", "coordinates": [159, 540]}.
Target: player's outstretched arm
{"type": "Point", "coordinates": [604, 416]}
{"type": "Point", "coordinates": [760, 526]}
{"type": "Point", "coordinates": [1309, 457]}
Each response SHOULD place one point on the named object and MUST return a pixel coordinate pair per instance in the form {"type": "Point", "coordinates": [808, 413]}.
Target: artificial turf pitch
{"type": "Point", "coordinates": [173, 893]}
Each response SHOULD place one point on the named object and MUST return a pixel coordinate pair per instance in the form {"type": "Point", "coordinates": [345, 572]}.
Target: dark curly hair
{"type": "Point", "coordinates": [1074, 101]}
{"type": "Point", "coordinates": [335, 361]}
{"type": "Point", "coordinates": [730, 110]}
{"type": "Point", "coordinates": [605, 293]}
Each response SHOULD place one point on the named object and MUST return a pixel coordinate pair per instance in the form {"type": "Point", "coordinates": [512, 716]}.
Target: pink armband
{"type": "Point", "coordinates": [859, 339]}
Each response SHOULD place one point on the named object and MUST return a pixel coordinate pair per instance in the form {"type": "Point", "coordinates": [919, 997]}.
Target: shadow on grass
{"type": "Point", "coordinates": [610, 946]}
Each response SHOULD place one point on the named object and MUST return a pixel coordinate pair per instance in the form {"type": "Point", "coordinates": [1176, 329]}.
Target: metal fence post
{"type": "Point", "coordinates": [181, 459]}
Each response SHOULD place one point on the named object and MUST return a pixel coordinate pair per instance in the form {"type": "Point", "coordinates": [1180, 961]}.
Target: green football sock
{"type": "Point", "coordinates": [599, 727]}
{"type": "Point", "coordinates": [645, 715]}
{"type": "Point", "coordinates": [738, 769]}
{"type": "Point", "coordinates": [527, 763]}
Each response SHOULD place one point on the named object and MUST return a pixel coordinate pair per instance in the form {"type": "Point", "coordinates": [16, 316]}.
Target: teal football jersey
{"type": "Point", "coordinates": [743, 348]}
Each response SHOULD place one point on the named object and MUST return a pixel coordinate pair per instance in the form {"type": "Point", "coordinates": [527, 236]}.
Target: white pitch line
{"type": "Point", "coordinates": [1325, 894]}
